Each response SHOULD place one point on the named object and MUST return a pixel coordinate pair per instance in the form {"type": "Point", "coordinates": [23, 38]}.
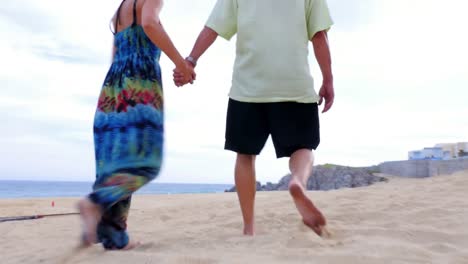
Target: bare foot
{"type": "Point", "coordinates": [311, 216]}
{"type": "Point", "coordinates": [131, 245]}
{"type": "Point", "coordinates": [249, 230]}
{"type": "Point", "coordinates": [90, 215]}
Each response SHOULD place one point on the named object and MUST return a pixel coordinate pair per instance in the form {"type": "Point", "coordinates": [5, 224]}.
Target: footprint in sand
{"type": "Point", "coordinates": [164, 218]}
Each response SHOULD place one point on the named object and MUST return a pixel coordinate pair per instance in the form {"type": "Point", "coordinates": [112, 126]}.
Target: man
{"type": "Point", "coordinates": [272, 90]}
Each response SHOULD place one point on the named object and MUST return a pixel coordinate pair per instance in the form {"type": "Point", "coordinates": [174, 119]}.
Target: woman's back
{"type": "Point", "coordinates": [124, 17]}
{"type": "Point", "coordinates": [130, 41]}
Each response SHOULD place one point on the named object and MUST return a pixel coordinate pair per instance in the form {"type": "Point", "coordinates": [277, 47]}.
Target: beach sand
{"type": "Point", "coordinates": [402, 221]}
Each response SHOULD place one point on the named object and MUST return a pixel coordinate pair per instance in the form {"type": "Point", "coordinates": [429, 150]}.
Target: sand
{"type": "Point", "coordinates": [402, 221]}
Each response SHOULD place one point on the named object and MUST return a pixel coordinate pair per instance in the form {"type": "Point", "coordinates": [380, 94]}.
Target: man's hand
{"type": "Point", "coordinates": [184, 75]}
{"type": "Point", "coordinates": [322, 54]}
{"type": "Point", "coordinates": [327, 92]}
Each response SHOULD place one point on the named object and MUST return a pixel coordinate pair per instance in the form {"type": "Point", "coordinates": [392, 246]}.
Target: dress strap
{"type": "Point", "coordinates": [117, 19]}
{"type": "Point", "coordinates": [134, 13]}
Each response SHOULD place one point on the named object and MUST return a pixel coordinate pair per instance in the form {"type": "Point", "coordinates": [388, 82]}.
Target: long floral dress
{"type": "Point", "coordinates": [128, 131]}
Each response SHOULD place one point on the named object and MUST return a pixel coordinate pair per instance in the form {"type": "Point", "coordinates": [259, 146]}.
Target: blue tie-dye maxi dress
{"type": "Point", "coordinates": [128, 131]}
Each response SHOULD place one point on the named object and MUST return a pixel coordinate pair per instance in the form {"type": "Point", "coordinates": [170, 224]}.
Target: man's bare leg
{"type": "Point", "coordinates": [300, 165]}
{"type": "Point", "coordinates": [246, 188]}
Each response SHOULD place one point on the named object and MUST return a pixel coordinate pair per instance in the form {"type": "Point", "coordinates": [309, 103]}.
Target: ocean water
{"type": "Point", "coordinates": [33, 189]}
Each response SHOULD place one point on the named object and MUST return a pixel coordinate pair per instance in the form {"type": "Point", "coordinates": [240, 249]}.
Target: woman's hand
{"type": "Point", "coordinates": [184, 73]}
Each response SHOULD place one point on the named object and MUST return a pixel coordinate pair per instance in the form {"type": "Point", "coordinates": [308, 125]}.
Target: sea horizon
{"type": "Point", "coordinates": [91, 182]}
{"type": "Point", "coordinates": [53, 188]}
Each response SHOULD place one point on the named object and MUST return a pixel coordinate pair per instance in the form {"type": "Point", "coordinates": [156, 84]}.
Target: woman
{"type": "Point", "coordinates": [128, 125]}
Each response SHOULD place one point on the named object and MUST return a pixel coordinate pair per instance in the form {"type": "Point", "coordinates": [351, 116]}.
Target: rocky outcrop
{"type": "Point", "coordinates": [328, 177]}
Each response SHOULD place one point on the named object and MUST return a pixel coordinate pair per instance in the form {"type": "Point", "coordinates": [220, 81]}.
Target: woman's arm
{"type": "Point", "coordinates": [151, 24]}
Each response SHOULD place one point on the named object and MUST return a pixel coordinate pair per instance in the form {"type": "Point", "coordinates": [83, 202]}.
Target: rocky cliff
{"type": "Point", "coordinates": [328, 177]}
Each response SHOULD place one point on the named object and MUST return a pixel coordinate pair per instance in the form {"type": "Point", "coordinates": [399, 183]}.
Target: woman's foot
{"type": "Point", "coordinates": [90, 216]}
{"type": "Point", "coordinates": [311, 216]}
{"type": "Point", "coordinates": [131, 245]}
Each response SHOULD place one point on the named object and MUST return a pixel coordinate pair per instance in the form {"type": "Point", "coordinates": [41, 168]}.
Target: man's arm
{"type": "Point", "coordinates": [322, 54]}
{"type": "Point", "coordinates": [206, 38]}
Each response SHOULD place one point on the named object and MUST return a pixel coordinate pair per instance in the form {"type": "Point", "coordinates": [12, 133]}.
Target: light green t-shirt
{"type": "Point", "coordinates": [272, 46]}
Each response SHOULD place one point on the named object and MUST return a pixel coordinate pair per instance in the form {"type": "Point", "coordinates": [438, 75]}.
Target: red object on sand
{"type": "Point", "coordinates": [53, 203]}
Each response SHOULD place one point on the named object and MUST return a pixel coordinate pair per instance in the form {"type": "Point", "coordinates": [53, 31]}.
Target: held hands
{"type": "Point", "coordinates": [327, 92]}
{"type": "Point", "coordinates": [184, 74]}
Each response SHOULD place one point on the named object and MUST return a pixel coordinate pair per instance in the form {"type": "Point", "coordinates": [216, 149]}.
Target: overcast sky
{"type": "Point", "coordinates": [401, 80]}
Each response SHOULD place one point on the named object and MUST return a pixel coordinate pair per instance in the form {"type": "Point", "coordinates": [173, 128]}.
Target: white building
{"type": "Point", "coordinates": [447, 155]}
{"type": "Point", "coordinates": [462, 148]}
{"type": "Point", "coordinates": [456, 149]}
{"type": "Point", "coordinates": [436, 153]}
{"type": "Point", "coordinates": [415, 155]}
{"type": "Point", "coordinates": [451, 147]}
{"type": "Point", "coordinates": [433, 153]}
